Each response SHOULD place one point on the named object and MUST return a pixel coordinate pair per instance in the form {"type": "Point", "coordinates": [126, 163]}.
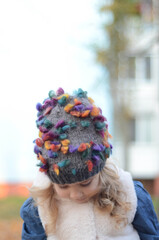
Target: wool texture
{"type": "Point", "coordinates": [73, 137]}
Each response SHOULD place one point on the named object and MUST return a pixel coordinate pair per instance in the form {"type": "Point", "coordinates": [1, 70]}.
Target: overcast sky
{"type": "Point", "coordinates": [43, 46]}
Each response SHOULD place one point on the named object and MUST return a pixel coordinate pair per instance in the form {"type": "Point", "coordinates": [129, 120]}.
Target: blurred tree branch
{"type": "Point", "coordinates": [108, 58]}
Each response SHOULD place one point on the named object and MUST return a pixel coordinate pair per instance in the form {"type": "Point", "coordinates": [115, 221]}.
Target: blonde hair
{"type": "Point", "coordinates": [111, 198]}
{"type": "Point", "coordinates": [41, 196]}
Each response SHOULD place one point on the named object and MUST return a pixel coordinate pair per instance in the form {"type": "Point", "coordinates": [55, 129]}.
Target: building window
{"type": "Point", "coordinates": [140, 129]}
{"type": "Point", "coordinates": [143, 69]}
{"type": "Point", "coordinates": [132, 130]}
{"type": "Point", "coordinates": [144, 129]}
{"type": "Point", "coordinates": [131, 67]}
{"type": "Point", "coordinates": [147, 68]}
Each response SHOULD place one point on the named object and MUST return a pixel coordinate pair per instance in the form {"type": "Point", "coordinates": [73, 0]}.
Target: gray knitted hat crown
{"type": "Point", "coordinates": [73, 137]}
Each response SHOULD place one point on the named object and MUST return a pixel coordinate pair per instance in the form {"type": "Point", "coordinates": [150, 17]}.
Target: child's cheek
{"type": "Point", "coordinates": [62, 193]}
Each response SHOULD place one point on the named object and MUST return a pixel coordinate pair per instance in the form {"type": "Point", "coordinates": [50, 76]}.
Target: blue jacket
{"type": "Point", "coordinates": [145, 221]}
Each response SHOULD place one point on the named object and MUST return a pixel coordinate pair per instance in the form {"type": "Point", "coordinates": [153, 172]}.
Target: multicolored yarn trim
{"type": "Point", "coordinates": [54, 137]}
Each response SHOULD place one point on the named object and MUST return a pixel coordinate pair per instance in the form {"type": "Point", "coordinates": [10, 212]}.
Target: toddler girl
{"type": "Point", "coordinates": [78, 193]}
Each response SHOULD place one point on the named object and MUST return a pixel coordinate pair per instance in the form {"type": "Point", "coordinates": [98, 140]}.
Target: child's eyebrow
{"type": "Point", "coordinates": [63, 185]}
{"type": "Point", "coordinates": [86, 181]}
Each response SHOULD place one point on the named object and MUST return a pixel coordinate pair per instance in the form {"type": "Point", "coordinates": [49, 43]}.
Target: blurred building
{"type": "Point", "coordinates": [139, 77]}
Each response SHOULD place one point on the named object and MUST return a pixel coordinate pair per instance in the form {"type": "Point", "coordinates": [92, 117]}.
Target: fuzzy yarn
{"type": "Point", "coordinates": [73, 137]}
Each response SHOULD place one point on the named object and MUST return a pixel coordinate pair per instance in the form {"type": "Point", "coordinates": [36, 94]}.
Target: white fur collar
{"type": "Point", "coordinates": [82, 221]}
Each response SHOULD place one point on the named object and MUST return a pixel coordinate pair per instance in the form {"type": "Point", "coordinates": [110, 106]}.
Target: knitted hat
{"type": "Point", "coordinates": [73, 137]}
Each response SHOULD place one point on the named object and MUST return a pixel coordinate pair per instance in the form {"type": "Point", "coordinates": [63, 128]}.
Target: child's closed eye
{"type": "Point", "coordinates": [63, 186]}
{"type": "Point", "coordinates": [85, 184]}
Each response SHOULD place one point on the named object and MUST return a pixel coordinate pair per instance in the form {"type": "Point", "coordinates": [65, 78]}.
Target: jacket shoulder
{"type": "Point", "coordinates": [29, 211]}
{"type": "Point", "coordinates": [32, 226]}
{"type": "Point", "coordinates": [145, 221]}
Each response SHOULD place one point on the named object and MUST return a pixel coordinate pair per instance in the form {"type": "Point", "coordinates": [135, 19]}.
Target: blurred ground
{"type": "Point", "coordinates": [10, 229]}
{"type": "Point", "coordinates": [156, 205]}
{"type": "Point", "coordinates": [10, 221]}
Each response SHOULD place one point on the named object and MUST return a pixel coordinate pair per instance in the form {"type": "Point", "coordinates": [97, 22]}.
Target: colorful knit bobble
{"type": "Point", "coordinates": [63, 136]}
{"type": "Point", "coordinates": [101, 156]}
{"type": "Point", "coordinates": [47, 123]}
{"type": "Point", "coordinates": [65, 142]}
{"type": "Point", "coordinates": [59, 91]}
{"type": "Point", "coordinates": [72, 148]}
{"type": "Point", "coordinates": [74, 171]}
{"type": "Point", "coordinates": [85, 113]}
{"type": "Point", "coordinates": [51, 94]}
{"type": "Point", "coordinates": [91, 143]}
{"type": "Point", "coordinates": [52, 154]}
{"type": "Point", "coordinates": [39, 164]}
{"type": "Point", "coordinates": [80, 93]}
{"type": "Point", "coordinates": [90, 165]}
{"type": "Point", "coordinates": [64, 149]}
{"type": "Point", "coordinates": [85, 123]}
{"type": "Point", "coordinates": [65, 128]}
{"type": "Point", "coordinates": [39, 107]}
{"type": "Point", "coordinates": [64, 163]}
{"type": "Point", "coordinates": [85, 153]}
{"type": "Point", "coordinates": [100, 118]}
{"type": "Point", "coordinates": [106, 144]}
{"type": "Point", "coordinates": [56, 169]}
{"type": "Point", "coordinates": [108, 151]}
{"type": "Point", "coordinates": [43, 169]}
{"type": "Point", "coordinates": [88, 145]}
{"type": "Point", "coordinates": [49, 136]}
{"type": "Point", "coordinates": [60, 123]}
{"type": "Point", "coordinates": [40, 134]}
{"type": "Point", "coordinates": [55, 148]}
{"type": "Point", "coordinates": [99, 125]}
{"type": "Point", "coordinates": [98, 147]}
{"type": "Point", "coordinates": [40, 157]}
{"type": "Point", "coordinates": [106, 135]}
{"type": "Point", "coordinates": [90, 100]}
{"type": "Point", "coordinates": [36, 149]}
{"type": "Point", "coordinates": [39, 123]}
{"type": "Point", "coordinates": [63, 95]}
{"type": "Point", "coordinates": [95, 111]}
{"type": "Point", "coordinates": [95, 159]}
{"type": "Point", "coordinates": [72, 124]}
{"type": "Point", "coordinates": [77, 102]}
{"type": "Point", "coordinates": [109, 135]}
{"type": "Point", "coordinates": [47, 111]}
{"type": "Point", "coordinates": [39, 142]}
{"type": "Point", "coordinates": [59, 130]}
{"type": "Point", "coordinates": [75, 113]}
{"type": "Point", "coordinates": [82, 147]}
{"type": "Point", "coordinates": [79, 108]}
{"type": "Point", "coordinates": [101, 133]}
{"type": "Point", "coordinates": [43, 129]}
{"type": "Point", "coordinates": [48, 145]}
{"type": "Point", "coordinates": [68, 107]}
{"type": "Point", "coordinates": [39, 114]}
{"type": "Point", "coordinates": [62, 101]}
